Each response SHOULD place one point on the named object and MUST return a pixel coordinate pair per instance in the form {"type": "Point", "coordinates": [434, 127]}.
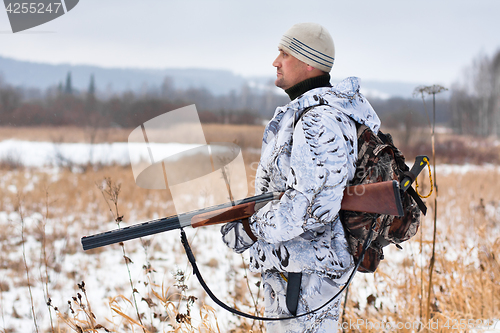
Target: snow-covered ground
{"type": "Point", "coordinates": [104, 272]}
{"type": "Point", "coordinates": [37, 154]}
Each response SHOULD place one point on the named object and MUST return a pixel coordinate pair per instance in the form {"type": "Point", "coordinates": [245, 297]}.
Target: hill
{"type": "Point", "coordinates": [115, 80]}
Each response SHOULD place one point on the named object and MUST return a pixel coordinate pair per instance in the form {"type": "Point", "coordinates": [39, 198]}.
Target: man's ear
{"type": "Point", "coordinates": [314, 71]}
{"type": "Point", "coordinates": [310, 68]}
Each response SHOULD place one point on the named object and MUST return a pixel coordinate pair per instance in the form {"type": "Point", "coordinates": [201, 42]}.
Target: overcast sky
{"type": "Point", "coordinates": [424, 42]}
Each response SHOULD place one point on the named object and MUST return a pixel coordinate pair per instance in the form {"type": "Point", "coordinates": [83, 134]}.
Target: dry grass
{"type": "Point", "coordinates": [466, 286]}
{"type": "Point", "coordinates": [450, 148]}
{"type": "Point", "coordinates": [466, 278]}
{"type": "Point", "coordinates": [76, 208]}
{"type": "Point", "coordinates": [245, 135]}
{"type": "Point", "coordinates": [64, 134]}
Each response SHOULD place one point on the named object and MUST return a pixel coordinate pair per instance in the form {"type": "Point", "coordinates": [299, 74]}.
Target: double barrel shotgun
{"type": "Point", "coordinates": [378, 198]}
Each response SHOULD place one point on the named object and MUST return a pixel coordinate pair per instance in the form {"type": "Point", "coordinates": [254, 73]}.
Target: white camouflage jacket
{"type": "Point", "coordinates": [310, 158]}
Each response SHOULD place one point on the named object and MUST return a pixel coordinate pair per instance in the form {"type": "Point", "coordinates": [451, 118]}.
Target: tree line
{"type": "Point", "coordinates": [473, 108]}
{"type": "Point", "coordinates": [475, 100]}
{"type": "Point", "coordinates": [63, 105]}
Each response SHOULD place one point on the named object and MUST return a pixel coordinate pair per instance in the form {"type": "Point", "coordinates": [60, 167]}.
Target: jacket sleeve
{"type": "Point", "coordinates": [316, 181]}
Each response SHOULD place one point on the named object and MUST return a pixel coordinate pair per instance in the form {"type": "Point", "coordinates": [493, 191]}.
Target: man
{"type": "Point", "coordinates": [309, 152]}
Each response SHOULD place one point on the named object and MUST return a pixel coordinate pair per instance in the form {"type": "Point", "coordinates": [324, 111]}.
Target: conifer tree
{"type": "Point", "coordinates": [91, 91]}
{"type": "Point", "coordinates": [68, 89]}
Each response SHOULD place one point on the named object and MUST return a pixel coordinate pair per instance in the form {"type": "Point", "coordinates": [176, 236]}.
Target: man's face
{"type": "Point", "coordinates": [289, 70]}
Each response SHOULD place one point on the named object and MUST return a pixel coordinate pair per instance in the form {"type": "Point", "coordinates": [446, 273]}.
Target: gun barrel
{"type": "Point", "coordinates": [131, 232]}
{"type": "Point", "coordinates": [162, 224]}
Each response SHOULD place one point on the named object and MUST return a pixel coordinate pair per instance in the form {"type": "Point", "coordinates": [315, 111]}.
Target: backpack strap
{"type": "Point", "coordinates": [302, 115]}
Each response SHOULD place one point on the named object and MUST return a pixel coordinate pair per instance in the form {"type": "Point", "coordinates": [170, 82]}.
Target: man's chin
{"type": "Point", "coordinates": [279, 83]}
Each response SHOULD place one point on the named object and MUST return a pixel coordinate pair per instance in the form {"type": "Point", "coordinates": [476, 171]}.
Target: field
{"type": "Point", "coordinates": [49, 284]}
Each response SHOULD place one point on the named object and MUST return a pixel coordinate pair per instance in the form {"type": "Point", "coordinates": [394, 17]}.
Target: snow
{"type": "Point", "coordinates": [104, 272]}
{"type": "Point", "coordinates": [447, 169]}
{"type": "Point", "coordinates": [37, 154]}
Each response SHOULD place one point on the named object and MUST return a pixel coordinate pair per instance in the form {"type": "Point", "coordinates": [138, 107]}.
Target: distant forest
{"type": "Point", "coordinates": [473, 108]}
{"type": "Point", "coordinates": [63, 105]}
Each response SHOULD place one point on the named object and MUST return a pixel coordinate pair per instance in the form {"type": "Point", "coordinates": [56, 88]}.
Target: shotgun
{"type": "Point", "coordinates": [377, 198]}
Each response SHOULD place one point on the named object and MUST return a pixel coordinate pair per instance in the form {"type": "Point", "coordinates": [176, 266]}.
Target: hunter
{"type": "Point", "coordinates": [309, 152]}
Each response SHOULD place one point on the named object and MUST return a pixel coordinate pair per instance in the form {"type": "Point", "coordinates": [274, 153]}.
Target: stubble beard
{"type": "Point", "coordinates": [280, 82]}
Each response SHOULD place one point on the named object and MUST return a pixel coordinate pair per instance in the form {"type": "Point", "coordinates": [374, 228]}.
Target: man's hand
{"type": "Point", "coordinates": [237, 235]}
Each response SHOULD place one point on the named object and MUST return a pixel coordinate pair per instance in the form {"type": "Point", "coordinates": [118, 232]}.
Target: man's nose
{"type": "Point", "coordinates": [276, 62]}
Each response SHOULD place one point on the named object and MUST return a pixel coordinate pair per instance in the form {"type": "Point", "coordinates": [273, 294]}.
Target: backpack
{"type": "Point", "coordinates": [379, 160]}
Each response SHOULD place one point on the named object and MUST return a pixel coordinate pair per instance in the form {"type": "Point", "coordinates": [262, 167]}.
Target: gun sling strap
{"type": "Point", "coordinates": [293, 283]}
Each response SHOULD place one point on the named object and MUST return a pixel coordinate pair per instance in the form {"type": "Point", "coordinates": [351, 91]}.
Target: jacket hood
{"type": "Point", "coordinates": [344, 96]}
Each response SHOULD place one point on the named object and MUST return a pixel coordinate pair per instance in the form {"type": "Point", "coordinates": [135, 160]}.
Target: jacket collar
{"type": "Point", "coordinates": [344, 97]}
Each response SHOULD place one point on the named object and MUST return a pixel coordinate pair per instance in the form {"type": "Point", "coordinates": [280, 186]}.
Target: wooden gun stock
{"type": "Point", "coordinates": [378, 198]}
{"type": "Point", "coordinates": [224, 215]}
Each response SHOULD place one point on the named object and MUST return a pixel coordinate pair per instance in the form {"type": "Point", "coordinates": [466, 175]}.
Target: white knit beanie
{"type": "Point", "coordinates": [310, 43]}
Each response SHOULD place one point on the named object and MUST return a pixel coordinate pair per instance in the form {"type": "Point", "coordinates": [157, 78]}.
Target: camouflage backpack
{"type": "Point", "coordinates": [379, 160]}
